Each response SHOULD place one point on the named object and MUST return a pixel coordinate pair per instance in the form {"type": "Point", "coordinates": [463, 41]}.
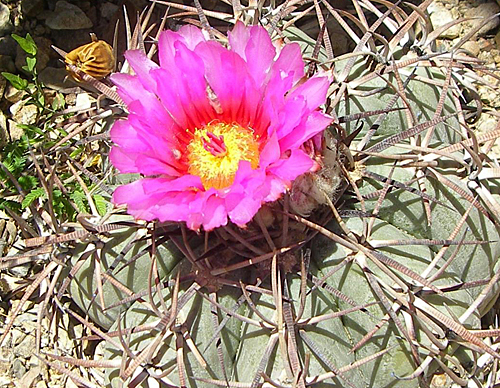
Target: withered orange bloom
{"type": "Point", "coordinates": [95, 59]}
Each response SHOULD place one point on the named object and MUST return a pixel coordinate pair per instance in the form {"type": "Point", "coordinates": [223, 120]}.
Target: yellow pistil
{"type": "Point", "coordinates": [216, 150]}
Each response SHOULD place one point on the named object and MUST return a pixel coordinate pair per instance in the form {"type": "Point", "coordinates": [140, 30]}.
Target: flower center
{"type": "Point", "coordinates": [216, 150]}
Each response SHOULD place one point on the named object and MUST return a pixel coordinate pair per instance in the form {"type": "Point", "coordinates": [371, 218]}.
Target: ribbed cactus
{"type": "Point", "coordinates": [380, 282]}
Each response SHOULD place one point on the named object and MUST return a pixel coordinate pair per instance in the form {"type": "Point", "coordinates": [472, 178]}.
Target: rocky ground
{"type": "Point", "coordinates": [485, 45]}
{"type": "Point", "coordinates": [67, 25]}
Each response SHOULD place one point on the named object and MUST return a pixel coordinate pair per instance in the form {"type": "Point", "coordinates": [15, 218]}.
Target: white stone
{"type": "Point", "coordinates": [5, 23]}
{"type": "Point", "coordinates": [441, 16]}
{"type": "Point", "coordinates": [83, 101]}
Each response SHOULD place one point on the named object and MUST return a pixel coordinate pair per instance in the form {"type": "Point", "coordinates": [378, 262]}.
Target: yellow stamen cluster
{"type": "Point", "coordinates": [216, 150]}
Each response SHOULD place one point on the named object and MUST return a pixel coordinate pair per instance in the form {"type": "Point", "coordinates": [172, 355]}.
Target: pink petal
{"type": "Point", "coordinates": [192, 36]}
{"type": "Point", "coordinates": [125, 135]}
{"type": "Point", "coordinates": [215, 213]}
{"type": "Point", "coordinates": [142, 66]}
{"type": "Point", "coordinates": [129, 87]}
{"type": "Point", "coordinates": [297, 164]}
{"type": "Point", "coordinates": [166, 48]}
{"type": "Point", "coordinates": [289, 116]}
{"type": "Point", "coordinates": [246, 209]}
{"type": "Point", "coordinates": [246, 194]}
{"type": "Point", "coordinates": [146, 153]}
{"type": "Point", "coordinates": [238, 38]}
{"type": "Point", "coordinates": [289, 63]}
{"type": "Point", "coordinates": [255, 47]}
{"type": "Point", "coordinates": [276, 188]}
{"type": "Point", "coordinates": [183, 90]}
{"type": "Point", "coordinates": [313, 91]}
{"type": "Point", "coordinates": [271, 151]}
{"type": "Point", "coordinates": [168, 44]}
{"type": "Point", "coordinates": [158, 198]}
{"type": "Point", "coordinates": [147, 165]}
{"type": "Point", "coordinates": [316, 122]}
{"type": "Point", "coordinates": [142, 206]}
{"type": "Point", "coordinates": [123, 161]}
{"type": "Point", "coordinates": [142, 102]}
{"type": "Point", "coordinates": [227, 74]}
{"type": "Point", "coordinates": [186, 182]}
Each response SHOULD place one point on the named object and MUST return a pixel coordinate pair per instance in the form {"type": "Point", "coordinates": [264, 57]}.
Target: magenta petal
{"type": "Point", "coordinates": [215, 213]}
{"type": "Point", "coordinates": [227, 75]}
{"type": "Point", "coordinates": [129, 87]}
{"type": "Point", "coordinates": [152, 166]}
{"type": "Point", "coordinates": [142, 65]}
{"type": "Point", "coordinates": [315, 123]}
{"type": "Point", "coordinates": [186, 182]}
{"type": "Point", "coordinates": [250, 44]}
{"type": "Point", "coordinates": [139, 149]}
{"type": "Point", "coordinates": [290, 116]}
{"type": "Point", "coordinates": [246, 195]}
{"type": "Point", "coordinates": [166, 48]}
{"type": "Point", "coordinates": [271, 151]}
{"type": "Point", "coordinates": [192, 36]}
{"type": "Point", "coordinates": [313, 91]}
{"type": "Point", "coordinates": [159, 198]}
{"type": "Point", "coordinates": [297, 164]}
{"type": "Point", "coordinates": [184, 92]}
{"type": "Point", "coordinates": [238, 38]}
{"type": "Point", "coordinates": [276, 188]}
{"type": "Point", "coordinates": [123, 161]}
{"type": "Point", "coordinates": [259, 46]}
{"type": "Point", "coordinates": [142, 102]}
{"type": "Point", "coordinates": [143, 205]}
{"type": "Point", "coordinates": [125, 135]}
{"type": "Point", "coordinates": [289, 63]}
{"type": "Point", "coordinates": [245, 211]}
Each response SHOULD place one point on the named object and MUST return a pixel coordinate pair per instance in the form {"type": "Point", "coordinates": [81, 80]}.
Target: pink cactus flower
{"type": "Point", "coordinates": [216, 131]}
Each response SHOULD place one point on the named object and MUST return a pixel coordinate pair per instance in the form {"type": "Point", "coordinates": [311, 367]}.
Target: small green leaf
{"type": "Point", "coordinates": [16, 81]}
{"type": "Point", "coordinates": [7, 204]}
{"type": "Point", "coordinates": [79, 199]}
{"type": "Point", "coordinates": [76, 152]}
{"type": "Point", "coordinates": [31, 196]}
{"type": "Point", "coordinates": [31, 129]}
{"type": "Point", "coordinates": [41, 99]}
{"type": "Point", "coordinates": [31, 63]}
{"type": "Point", "coordinates": [27, 44]}
{"type": "Point", "coordinates": [61, 205]}
{"type": "Point", "coordinates": [101, 204]}
{"type": "Point", "coordinates": [28, 182]}
{"type": "Point", "coordinates": [59, 102]}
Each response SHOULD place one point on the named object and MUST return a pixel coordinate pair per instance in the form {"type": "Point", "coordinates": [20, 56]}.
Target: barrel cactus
{"type": "Point", "coordinates": [372, 268]}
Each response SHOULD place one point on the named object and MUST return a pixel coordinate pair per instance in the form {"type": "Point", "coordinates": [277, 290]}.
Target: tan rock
{"type": "Point", "coordinates": [25, 114]}
{"type": "Point", "coordinates": [30, 376]}
{"type": "Point", "coordinates": [4, 134]}
{"type": "Point", "coordinates": [481, 13]}
{"type": "Point", "coordinates": [15, 132]}
{"type": "Point", "coordinates": [472, 47]}
{"type": "Point", "coordinates": [12, 94]}
{"type": "Point", "coordinates": [441, 16]}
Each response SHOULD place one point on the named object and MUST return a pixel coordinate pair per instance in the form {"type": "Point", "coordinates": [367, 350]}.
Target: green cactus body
{"type": "Point", "coordinates": [258, 348]}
